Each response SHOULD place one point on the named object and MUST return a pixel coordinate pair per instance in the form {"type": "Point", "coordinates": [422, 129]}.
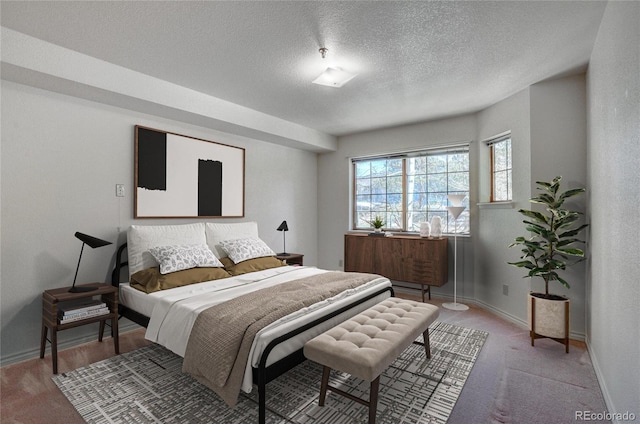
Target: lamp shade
{"type": "Point", "coordinates": [456, 199]}
{"type": "Point", "coordinates": [455, 211]}
{"type": "Point", "coordinates": [91, 241]}
{"type": "Point", "coordinates": [283, 226]}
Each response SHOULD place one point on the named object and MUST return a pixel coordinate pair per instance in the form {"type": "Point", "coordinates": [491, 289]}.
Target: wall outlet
{"type": "Point", "coordinates": [340, 262]}
{"type": "Point", "coordinates": [119, 190]}
{"type": "Point", "coordinates": [505, 289]}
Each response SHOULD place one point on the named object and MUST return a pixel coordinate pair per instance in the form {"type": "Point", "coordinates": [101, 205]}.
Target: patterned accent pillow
{"type": "Point", "coordinates": [184, 256]}
{"type": "Point", "coordinates": [246, 248]}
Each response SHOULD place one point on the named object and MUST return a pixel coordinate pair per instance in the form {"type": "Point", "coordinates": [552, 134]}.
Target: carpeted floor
{"type": "Point", "coordinates": [511, 382]}
{"type": "Point", "coordinates": [147, 385]}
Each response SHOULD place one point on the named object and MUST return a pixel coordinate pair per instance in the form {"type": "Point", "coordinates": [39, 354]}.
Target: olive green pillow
{"type": "Point", "coordinates": [151, 280]}
{"type": "Point", "coordinates": [250, 265]}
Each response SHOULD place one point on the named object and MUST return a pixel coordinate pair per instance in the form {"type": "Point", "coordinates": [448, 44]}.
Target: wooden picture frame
{"type": "Point", "coordinates": [177, 176]}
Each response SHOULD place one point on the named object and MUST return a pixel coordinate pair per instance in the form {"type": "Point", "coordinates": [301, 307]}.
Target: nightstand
{"type": "Point", "coordinates": [53, 298]}
{"type": "Point", "coordinates": [291, 258]}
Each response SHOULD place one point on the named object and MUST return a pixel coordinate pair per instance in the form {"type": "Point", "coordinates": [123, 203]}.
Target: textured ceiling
{"type": "Point", "coordinates": [415, 61]}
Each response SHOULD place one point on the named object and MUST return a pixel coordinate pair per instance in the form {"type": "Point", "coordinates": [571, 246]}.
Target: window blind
{"type": "Point", "coordinates": [458, 148]}
{"type": "Point", "coordinates": [498, 138]}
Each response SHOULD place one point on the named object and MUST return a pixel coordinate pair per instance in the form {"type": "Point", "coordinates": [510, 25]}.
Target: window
{"type": "Point", "coordinates": [501, 168]}
{"type": "Point", "coordinates": [407, 189]}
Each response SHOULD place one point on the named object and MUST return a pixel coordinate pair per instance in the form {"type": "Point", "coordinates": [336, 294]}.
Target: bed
{"type": "Point", "coordinates": [171, 313]}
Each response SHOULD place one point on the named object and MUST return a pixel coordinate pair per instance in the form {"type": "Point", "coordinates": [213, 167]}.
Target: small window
{"type": "Point", "coordinates": [501, 169]}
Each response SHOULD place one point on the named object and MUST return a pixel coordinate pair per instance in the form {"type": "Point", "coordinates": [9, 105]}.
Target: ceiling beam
{"type": "Point", "coordinates": [30, 61]}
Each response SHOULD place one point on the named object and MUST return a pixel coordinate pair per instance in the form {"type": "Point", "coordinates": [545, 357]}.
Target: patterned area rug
{"type": "Point", "coordinates": [147, 386]}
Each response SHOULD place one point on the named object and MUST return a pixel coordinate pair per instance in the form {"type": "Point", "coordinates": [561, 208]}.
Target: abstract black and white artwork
{"type": "Point", "coordinates": [177, 176]}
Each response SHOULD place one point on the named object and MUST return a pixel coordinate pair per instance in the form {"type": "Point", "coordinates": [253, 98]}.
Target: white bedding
{"type": "Point", "coordinates": [174, 311]}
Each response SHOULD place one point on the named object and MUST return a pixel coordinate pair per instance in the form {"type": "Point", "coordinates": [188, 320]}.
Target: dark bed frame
{"type": "Point", "coordinates": [263, 374]}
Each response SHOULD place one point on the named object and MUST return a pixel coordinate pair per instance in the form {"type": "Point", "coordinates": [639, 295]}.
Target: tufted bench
{"type": "Point", "coordinates": [368, 343]}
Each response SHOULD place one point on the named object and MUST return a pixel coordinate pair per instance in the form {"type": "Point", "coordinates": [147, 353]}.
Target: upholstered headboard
{"type": "Point", "coordinates": [140, 238]}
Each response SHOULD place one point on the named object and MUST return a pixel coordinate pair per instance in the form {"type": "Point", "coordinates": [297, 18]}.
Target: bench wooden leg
{"type": "Point", "coordinates": [373, 400]}
{"type": "Point", "coordinates": [373, 394]}
{"type": "Point", "coordinates": [427, 345]}
{"type": "Point", "coordinates": [323, 385]}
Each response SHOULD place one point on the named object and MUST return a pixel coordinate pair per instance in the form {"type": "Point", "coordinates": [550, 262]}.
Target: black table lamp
{"type": "Point", "coordinates": [93, 242]}
{"type": "Point", "coordinates": [284, 228]}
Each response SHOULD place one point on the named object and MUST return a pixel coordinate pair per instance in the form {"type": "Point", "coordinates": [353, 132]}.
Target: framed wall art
{"type": "Point", "coordinates": [177, 176]}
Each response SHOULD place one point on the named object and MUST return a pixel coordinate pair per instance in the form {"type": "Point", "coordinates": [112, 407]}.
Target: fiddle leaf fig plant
{"type": "Point", "coordinates": [552, 246]}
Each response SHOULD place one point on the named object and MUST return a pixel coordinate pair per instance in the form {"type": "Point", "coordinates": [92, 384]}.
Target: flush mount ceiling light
{"type": "Point", "coordinates": [333, 76]}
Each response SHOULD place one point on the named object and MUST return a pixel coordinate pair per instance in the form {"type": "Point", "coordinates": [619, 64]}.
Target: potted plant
{"type": "Point", "coordinates": [377, 224]}
{"type": "Point", "coordinates": [551, 248]}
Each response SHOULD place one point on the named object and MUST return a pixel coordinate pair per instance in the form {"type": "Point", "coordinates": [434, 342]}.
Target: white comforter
{"type": "Point", "coordinates": [177, 309]}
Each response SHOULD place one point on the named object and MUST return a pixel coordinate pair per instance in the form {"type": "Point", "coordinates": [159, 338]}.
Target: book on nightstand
{"type": "Point", "coordinates": [83, 310]}
{"type": "Point", "coordinates": [63, 319]}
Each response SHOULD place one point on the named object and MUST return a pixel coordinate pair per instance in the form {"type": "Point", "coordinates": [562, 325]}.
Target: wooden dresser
{"type": "Point", "coordinates": [411, 259]}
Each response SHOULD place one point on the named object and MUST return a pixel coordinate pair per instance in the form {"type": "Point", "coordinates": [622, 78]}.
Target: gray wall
{"type": "Point", "coordinates": [334, 188]}
{"type": "Point", "coordinates": [548, 130]}
{"type": "Point", "coordinates": [552, 114]}
{"type": "Point", "coordinates": [61, 159]}
{"type": "Point", "coordinates": [613, 293]}
{"type": "Point", "coordinates": [498, 226]}
{"type": "Point", "coordinates": [559, 147]}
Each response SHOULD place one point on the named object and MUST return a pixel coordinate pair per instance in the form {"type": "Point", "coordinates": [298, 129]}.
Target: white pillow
{"type": "Point", "coordinates": [184, 256]}
{"type": "Point", "coordinates": [217, 232]}
{"type": "Point", "coordinates": [246, 248]}
{"type": "Point", "coordinates": [140, 238]}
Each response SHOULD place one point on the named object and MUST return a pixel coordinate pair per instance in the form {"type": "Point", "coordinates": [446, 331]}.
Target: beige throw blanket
{"type": "Point", "coordinates": [221, 338]}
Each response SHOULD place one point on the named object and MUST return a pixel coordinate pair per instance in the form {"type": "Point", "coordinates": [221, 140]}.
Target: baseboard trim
{"type": "Point", "coordinates": [502, 314]}
{"type": "Point", "coordinates": [573, 335]}
{"type": "Point", "coordinates": [608, 401]}
{"type": "Point", "coordinates": [126, 325]}
{"type": "Point", "coordinates": [123, 327]}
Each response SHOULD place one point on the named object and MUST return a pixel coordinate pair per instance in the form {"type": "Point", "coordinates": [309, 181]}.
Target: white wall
{"type": "Point", "coordinates": [61, 159]}
{"type": "Point", "coordinates": [613, 292]}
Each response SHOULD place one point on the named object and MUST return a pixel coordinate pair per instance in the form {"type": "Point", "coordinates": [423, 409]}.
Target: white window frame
{"type": "Point", "coordinates": [447, 220]}
{"type": "Point", "coordinates": [507, 170]}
